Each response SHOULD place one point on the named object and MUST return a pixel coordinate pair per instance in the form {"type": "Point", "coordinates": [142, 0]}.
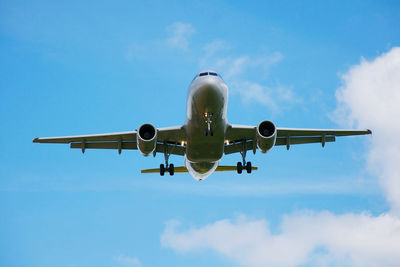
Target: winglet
{"type": "Point", "coordinates": [36, 140]}
{"type": "Point", "coordinates": [369, 131]}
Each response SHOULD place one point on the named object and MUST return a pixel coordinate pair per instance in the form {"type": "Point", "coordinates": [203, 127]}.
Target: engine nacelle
{"type": "Point", "coordinates": [146, 138]}
{"type": "Point", "coordinates": [266, 136]}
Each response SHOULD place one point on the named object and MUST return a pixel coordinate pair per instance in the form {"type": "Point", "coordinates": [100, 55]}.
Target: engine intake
{"type": "Point", "coordinates": [146, 139]}
{"type": "Point", "coordinates": [266, 136]}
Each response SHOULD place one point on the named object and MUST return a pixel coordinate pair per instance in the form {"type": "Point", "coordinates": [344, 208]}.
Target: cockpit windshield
{"type": "Point", "coordinates": [206, 73]}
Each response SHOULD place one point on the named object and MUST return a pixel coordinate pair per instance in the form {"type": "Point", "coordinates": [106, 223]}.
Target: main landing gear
{"type": "Point", "coordinates": [167, 167]}
{"type": "Point", "coordinates": [245, 165]}
{"type": "Point", "coordinates": [209, 130]}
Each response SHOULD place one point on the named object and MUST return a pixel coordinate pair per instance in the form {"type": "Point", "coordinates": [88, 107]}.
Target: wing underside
{"type": "Point", "coordinates": [242, 138]}
{"type": "Point", "coordinates": [168, 139]}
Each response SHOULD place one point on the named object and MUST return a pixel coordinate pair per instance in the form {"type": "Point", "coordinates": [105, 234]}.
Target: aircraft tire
{"type": "Point", "coordinates": [171, 169]}
{"type": "Point", "coordinates": [248, 167]}
{"type": "Point", "coordinates": [162, 169]}
{"type": "Point", "coordinates": [239, 167]}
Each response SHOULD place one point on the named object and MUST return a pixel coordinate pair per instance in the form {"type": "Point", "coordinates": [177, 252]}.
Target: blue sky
{"type": "Point", "coordinates": [71, 68]}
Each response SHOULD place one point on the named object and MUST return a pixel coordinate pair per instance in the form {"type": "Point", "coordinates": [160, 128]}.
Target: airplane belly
{"type": "Point", "coordinates": [204, 151]}
{"type": "Point", "coordinates": [206, 123]}
{"type": "Point", "coordinates": [203, 147]}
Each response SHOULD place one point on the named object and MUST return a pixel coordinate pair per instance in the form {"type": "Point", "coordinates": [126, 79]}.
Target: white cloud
{"type": "Point", "coordinates": [128, 261]}
{"type": "Point", "coordinates": [272, 97]}
{"type": "Point", "coordinates": [370, 98]}
{"type": "Point", "coordinates": [238, 67]}
{"type": "Point", "coordinates": [179, 34]}
{"type": "Point", "coordinates": [321, 239]}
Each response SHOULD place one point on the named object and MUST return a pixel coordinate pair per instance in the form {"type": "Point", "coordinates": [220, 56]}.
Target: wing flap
{"type": "Point", "coordinates": [283, 132]}
{"type": "Point", "coordinates": [104, 145]}
{"type": "Point", "coordinates": [172, 149]}
{"type": "Point", "coordinates": [240, 146]}
{"type": "Point", "coordinates": [283, 141]}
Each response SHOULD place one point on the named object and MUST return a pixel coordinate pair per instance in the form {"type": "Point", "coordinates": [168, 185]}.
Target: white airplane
{"type": "Point", "coordinates": [205, 137]}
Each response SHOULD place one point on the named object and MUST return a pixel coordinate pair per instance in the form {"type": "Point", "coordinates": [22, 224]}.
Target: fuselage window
{"type": "Point", "coordinates": [203, 74]}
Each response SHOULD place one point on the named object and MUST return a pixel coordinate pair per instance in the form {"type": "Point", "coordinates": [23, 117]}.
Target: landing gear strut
{"type": "Point", "coordinates": [244, 165]}
{"type": "Point", "coordinates": [209, 130]}
{"type": "Point", "coordinates": [168, 167]}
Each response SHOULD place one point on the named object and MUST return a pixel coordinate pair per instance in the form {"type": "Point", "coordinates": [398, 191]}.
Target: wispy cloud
{"type": "Point", "coordinates": [246, 74]}
{"type": "Point", "coordinates": [128, 261]}
{"type": "Point", "coordinates": [237, 71]}
{"type": "Point", "coordinates": [134, 50]}
{"type": "Point", "coordinates": [179, 35]}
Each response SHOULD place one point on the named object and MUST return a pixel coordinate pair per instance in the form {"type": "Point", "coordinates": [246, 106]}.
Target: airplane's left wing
{"type": "Point", "coordinates": [170, 138]}
{"type": "Point", "coordinates": [243, 137]}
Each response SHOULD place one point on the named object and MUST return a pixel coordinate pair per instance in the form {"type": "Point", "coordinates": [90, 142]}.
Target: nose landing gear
{"type": "Point", "coordinates": [209, 130]}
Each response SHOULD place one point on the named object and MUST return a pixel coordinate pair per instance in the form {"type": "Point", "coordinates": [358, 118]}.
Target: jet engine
{"type": "Point", "coordinates": [146, 139]}
{"type": "Point", "coordinates": [266, 136]}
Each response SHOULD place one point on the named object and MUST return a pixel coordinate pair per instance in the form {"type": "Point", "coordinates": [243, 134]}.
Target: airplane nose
{"type": "Point", "coordinates": [209, 91]}
{"type": "Point", "coordinates": [209, 87]}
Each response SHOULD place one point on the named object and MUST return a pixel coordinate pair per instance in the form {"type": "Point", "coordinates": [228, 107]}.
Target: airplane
{"type": "Point", "coordinates": [206, 135]}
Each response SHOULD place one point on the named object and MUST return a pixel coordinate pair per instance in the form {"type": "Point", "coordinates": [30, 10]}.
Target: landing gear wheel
{"type": "Point", "coordinates": [248, 167]}
{"type": "Point", "coordinates": [211, 132]}
{"type": "Point", "coordinates": [162, 169]}
{"type": "Point", "coordinates": [171, 169]}
{"type": "Point", "coordinates": [239, 167]}
{"type": "Point", "coordinates": [207, 132]}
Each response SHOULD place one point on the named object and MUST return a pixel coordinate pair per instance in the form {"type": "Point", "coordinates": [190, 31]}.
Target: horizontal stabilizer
{"type": "Point", "coordinates": [184, 169]}
{"type": "Point", "coordinates": [232, 168]}
{"type": "Point", "coordinates": [157, 170]}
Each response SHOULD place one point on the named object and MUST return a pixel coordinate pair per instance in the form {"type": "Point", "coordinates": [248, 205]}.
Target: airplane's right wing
{"type": "Point", "coordinates": [170, 138]}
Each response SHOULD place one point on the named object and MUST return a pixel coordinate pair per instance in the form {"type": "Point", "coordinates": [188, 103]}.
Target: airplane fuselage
{"type": "Point", "coordinates": [206, 124]}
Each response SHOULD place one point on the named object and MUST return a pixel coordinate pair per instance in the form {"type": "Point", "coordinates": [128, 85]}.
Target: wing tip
{"type": "Point", "coordinates": [36, 140]}
{"type": "Point", "coordinates": [369, 131]}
